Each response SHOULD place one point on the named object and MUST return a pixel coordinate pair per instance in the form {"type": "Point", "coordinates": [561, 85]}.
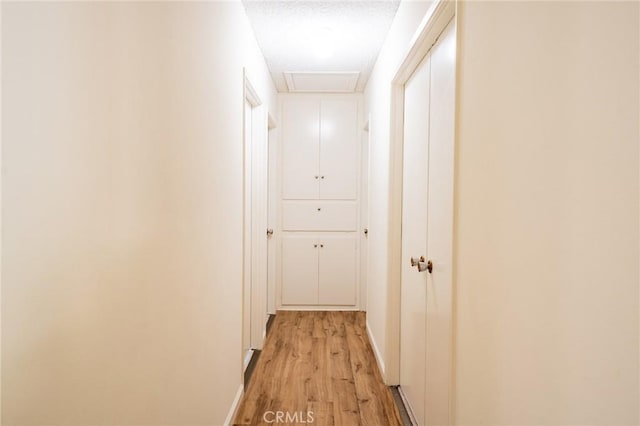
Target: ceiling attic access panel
{"type": "Point", "coordinates": [319, 148]}
{"type": "Point", "coordinates": [321, 82]}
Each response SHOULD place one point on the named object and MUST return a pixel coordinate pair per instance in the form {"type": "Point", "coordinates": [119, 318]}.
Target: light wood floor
{"type": "Point", "coordinates": [320, 362]}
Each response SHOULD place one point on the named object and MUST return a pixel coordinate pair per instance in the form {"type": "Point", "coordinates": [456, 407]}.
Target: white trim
{"type": "Point", "coordinates": [352, 76]}
{"type": "Point", "coordinates": [407, 406]}
{"type": "Point", "coordinates": [252, 235]}
{"type": "Point", "coordinates": [271, 122]}
{"type": "Point", "coordinates": [250, 92]}
{"type": "Point", "coordinates": [247, 359]}
{"type": "Point", "coordinates": [376, 352]}
{"type": "Point", "coordinates": [434, 22]}
{"type": "Point", "coordinates": [233, 410]}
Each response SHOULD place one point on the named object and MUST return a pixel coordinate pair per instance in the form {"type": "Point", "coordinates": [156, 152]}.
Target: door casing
{"type": "Point", "coordinates": [255, 214]}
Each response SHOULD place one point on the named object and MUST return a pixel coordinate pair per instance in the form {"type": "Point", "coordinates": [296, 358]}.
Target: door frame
{"type": "Point", "coordinates": [434, 22]}
{"type": "Point", "coordinates": [258, 308]}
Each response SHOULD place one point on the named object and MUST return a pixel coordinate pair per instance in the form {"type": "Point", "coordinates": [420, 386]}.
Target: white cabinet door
{"type": "Point", "coordinates": [338, 261]}
{"type": "Point", "coordinates": [299, 269]}
{"type": "Point", "coordinates": [300, 149]}
{"type": "Point", "coordinates": [338, 149]}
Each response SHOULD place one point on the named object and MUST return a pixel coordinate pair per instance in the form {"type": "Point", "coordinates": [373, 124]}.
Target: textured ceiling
{"type": "Point", "coordinates": [320, 35]}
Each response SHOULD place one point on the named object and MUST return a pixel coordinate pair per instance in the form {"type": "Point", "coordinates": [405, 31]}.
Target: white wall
{"type": "Point", "coordinates": [547, 206]}
{"type": "Point", "coordinates": [377, 100]}
{"type": "Point", "coordinates": [547, 214]}
{"type": "Point", "coordinates": [122, 210]}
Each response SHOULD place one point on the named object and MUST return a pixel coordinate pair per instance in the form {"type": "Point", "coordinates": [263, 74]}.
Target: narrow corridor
{"type": "Point", "coordinates": [319, 368]}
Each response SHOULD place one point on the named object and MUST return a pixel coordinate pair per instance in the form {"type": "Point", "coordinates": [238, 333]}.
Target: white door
{"type": "Point", "coordinates": [255, 221]}
{"type": "Point", "coordinates": [364, 218]}
{"type": "Point", "coordinates": [427, 230]}
{"type": "Point", "coordinates": [300, 269]}
{"type": "Point", "coordinates": [337, 266]}
{"type": "Point", "coordinates": [272, 219]}
{"type": "Point", "coordinates": [259, 213]}
{"type": "Point", "coordinates": [338, 149]}
{"type": "Point", "coordinates": [300, 149]}
{"type": "Point", "coordinates": [440, 228]}
{"type": "Point", "coordinates": [414, 239]}
{"type": "Point", "coordinates": [247, 288]}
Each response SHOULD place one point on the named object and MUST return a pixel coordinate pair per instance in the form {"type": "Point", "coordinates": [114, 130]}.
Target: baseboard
{"type": "Point", "coordinates": [233, 410]}
{"type": "Point", "coordinates": [317, 308]}
{"type": "Point", "coordinates": [407, 407]}
{"type": "Point", "coordinates": [376, 352]}
{"type": "Point", "coordinates": [400, 400]}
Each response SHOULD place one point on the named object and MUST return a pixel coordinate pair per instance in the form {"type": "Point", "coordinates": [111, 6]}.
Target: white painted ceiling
{"type": "Point", "coordinates": [320, 36]}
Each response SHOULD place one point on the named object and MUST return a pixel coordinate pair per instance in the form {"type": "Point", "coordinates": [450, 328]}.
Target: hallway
{"type": "Point", "coordinates": [416, 212]}
{"type": "Point", "coordinates": [320, 365]}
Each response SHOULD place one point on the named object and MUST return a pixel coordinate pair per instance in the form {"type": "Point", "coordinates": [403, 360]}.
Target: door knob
{"type": "Point", "coordinates": [428, 266]}
{"type": "Point", "coordinates": [415, 261]}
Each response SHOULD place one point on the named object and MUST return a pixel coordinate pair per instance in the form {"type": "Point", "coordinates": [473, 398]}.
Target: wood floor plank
{"type": "Point", "coordinates": [345, 402]}
{"type": "Point", "coordinates": [374, 399]}
{"type": "Point", "coordinates": [319, 362]}
{"type": "Point", "coordinates": [322, 413]}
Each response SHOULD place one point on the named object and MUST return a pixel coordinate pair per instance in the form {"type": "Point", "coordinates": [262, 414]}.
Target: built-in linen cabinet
{"type": "Point", "coordinates": [319, 269]}
{"type": "Point", "coordinates": [319, 149]}
{"type": "Point", "coordinates": [319, 206]}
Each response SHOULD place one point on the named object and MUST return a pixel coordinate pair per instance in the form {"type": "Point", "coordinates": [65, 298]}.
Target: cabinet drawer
{"type": "Point", "coordinates": [319, 216]}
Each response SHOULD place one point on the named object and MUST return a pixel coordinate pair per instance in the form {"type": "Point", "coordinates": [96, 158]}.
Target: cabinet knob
{"type": "Point", "coordinates": [321, 245]}
{"type": "Point", "coordinates": [319, 209]}
{"type": "Point", "coordinates": [316, 177]}
{"type": "Point", "coordinates": [422, 266]}
{"type": "Point", "coordinates": [315, 246]}
{"type": "Point", "coordinates": [415, 260]}
{"type": "Point", "coordinates": [321, 177]}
